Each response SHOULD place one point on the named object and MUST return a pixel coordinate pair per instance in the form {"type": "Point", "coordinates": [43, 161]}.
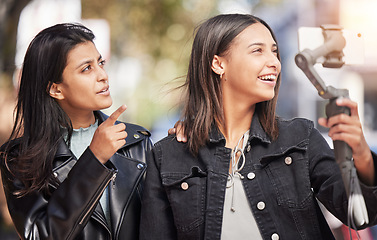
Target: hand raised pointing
{"type": "Point", "coordinates": [108, 138]}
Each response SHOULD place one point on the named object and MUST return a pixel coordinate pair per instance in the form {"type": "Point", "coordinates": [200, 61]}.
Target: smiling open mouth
{"type": "Point", "coordinates": [269, 77]}
{"type": "Point", "coordinates": [103, 90]}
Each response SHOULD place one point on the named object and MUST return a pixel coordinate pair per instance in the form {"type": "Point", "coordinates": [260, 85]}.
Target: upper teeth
{"type": "Point", "coordinates": [268, 77]}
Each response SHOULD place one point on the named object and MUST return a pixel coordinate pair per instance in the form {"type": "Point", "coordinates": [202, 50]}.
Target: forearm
{"type": "Point", "coordinates": [366, 168]}
{"type": "Point", "coordinates": [63, 214]}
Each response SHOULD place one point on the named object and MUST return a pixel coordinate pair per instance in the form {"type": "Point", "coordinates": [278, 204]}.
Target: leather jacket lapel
{"type": "Point", "coordinates": [63, 162]}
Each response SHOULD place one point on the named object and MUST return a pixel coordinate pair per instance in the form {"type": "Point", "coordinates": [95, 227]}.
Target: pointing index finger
{"type": "Point", "coordinates": [115, 115]}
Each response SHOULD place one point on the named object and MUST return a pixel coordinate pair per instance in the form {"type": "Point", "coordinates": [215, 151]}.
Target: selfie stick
{"type": "Point", "coordinates": [332, 50]}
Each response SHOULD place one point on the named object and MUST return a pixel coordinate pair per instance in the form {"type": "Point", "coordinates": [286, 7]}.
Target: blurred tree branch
{"type": "Point", "coordinates": [10, 11]}
{"type": "Point", "coordinates": [158, 33]}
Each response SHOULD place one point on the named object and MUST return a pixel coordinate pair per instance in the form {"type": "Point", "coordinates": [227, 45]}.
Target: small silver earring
{"type": "Point", "coordinates": [221, 76]}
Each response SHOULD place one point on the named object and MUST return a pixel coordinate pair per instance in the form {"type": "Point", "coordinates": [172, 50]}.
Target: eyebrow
{"type": "Point", "coordinates": [261, 44]}
{"type": "Point", "coordinates": [88, 61]}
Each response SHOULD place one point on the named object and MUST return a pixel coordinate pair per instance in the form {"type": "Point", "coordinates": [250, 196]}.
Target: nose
{"type": "Point", "coordinates": [274, 62]}
{"type": "Point", "coordinates": [102, 75]}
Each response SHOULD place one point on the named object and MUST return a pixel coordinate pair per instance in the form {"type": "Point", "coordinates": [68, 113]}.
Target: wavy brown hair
{"type": "Point", "coordinates": [203, 101]}
{"type": "Point", "coordinates": [38, 117]}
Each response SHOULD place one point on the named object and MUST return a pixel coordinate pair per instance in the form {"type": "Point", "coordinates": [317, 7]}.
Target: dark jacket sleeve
{"type": "Point", "coordinates": [64, 213]}
{"type": "Point", "coordinates": [327, 181]}
{"type": "Point", "coordinates": [156, 214]}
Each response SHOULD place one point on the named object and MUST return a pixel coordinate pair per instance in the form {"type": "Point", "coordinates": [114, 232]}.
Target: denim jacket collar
{"type": "Point", "coordinates": [256, 132]}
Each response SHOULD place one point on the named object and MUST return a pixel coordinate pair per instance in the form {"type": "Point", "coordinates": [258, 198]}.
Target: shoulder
{"type": "Point", "coordinates": [169, 140]}
{"type": "Point", "coordinates": [134, 131]}
{"type": "Point", "coordinates": [296, 122]}
{"type": "Point", "coordinates": [8, 151]}
{"type": "Point", "coordinates": [11, 148]}
{"type": "Point", "coordinates": [296, 131]}
{"type": "Point", "coordinates": [295, 125]}
{"type": "Point", "coordinates": [168, 144]}
{"type": "Point", "coordinates": [137, 134]}
{"type": "Point", "coordinates": [169, 147]}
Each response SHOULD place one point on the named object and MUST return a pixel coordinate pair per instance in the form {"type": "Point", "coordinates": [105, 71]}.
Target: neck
{"type": "Point", "coordinates": [82, 120]}
{"type": "Point", "coordinates": [237, 120]}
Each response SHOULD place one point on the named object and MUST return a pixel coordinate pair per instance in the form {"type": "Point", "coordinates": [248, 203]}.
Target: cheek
{"type": "Point", "coordinates": [279, 67]}
{"type": "Point", "coordinates": [81, 87]}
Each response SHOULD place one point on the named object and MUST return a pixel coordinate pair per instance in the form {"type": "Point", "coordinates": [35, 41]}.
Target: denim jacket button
{"type": "Point", "coordinates": [275, 236]}
{"type": "Point", "coordinates": [251, 175]}
{"type": "Point", "coordinates": [288, 160]}
{"type": "Point", "coordinates": [261, 205]}
{"type": "Point", "coordinates": [184, 185]}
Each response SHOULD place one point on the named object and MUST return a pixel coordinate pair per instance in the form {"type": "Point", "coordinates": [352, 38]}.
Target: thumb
{"type": "Point", "coordinates": [323, 122]}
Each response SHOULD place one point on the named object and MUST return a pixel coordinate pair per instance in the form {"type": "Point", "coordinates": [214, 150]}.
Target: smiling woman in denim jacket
{"type": "Point", "coordinates": [245, 173]}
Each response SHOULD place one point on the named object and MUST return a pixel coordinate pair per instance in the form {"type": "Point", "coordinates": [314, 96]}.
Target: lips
{"type": "Point", "coordinates": [268, 77]}
{"type": "Point", "coordinates": [104, 90]}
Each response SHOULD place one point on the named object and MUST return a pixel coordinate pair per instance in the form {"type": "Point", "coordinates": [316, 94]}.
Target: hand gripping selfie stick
{"type": "Point", "coordinates": [332, 50]}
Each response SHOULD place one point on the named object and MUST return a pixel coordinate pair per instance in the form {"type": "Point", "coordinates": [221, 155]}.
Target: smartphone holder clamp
{"type": "Point", "coordinates": [332, 50]}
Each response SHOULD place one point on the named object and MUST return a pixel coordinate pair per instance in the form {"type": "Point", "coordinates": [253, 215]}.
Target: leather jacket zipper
{"type": "Point", "coordinates": [99, 196]}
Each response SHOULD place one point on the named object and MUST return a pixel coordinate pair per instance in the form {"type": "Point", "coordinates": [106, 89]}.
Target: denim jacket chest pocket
{"type": "Point", "coordinates": [186, 193]}
{"type": "Point", "coordinates": [288, 173]}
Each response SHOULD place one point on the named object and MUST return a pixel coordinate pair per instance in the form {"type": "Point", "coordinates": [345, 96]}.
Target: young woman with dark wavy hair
{"type": "Point", "coordinates": [69, 171]}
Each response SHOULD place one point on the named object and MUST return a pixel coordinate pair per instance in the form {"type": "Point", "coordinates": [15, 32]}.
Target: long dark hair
{"type": "Point", "coordinates": [38, 117]}
{"type": "Point", "coordinates": [203, 103]}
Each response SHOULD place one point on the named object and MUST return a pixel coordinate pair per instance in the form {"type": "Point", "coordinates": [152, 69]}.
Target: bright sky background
{"type": "Point", "coordinates": [361, 16]}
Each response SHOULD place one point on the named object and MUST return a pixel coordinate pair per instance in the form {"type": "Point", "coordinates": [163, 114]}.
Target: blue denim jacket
{"type": "Point", "coordinates": [184, 195]}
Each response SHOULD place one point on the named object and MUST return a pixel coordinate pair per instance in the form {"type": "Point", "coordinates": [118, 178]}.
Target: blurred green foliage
{"type": "Point", "coordinates": [158, 33]}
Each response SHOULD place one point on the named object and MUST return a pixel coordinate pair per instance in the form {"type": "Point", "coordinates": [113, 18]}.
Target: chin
{"type": "Point", "coordinates": [108, 103]}
{"type": "Point", "coordinates": [268, 97]}
{"type": "Point", "coordinates": [104, 106]}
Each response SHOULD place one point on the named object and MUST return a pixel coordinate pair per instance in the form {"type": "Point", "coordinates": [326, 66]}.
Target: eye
{"type": "Point", "coordinates": [102, 62]}
{"type": "Point", "coordinates": [257, 50]}
{"type": "Point", "coordinates": [87, 68]}
{"type": "Point", "coordinates": [275, 51]}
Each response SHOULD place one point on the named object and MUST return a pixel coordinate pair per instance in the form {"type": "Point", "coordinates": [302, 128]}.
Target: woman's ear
{"type": "Point", "coordinates": [55, 92]}
{"type": "Point", "coordinates": [218, 65]}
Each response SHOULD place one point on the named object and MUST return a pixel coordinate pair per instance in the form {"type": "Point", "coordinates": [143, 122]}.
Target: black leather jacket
{"type": "Point", "coordinates": [72, 210]}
